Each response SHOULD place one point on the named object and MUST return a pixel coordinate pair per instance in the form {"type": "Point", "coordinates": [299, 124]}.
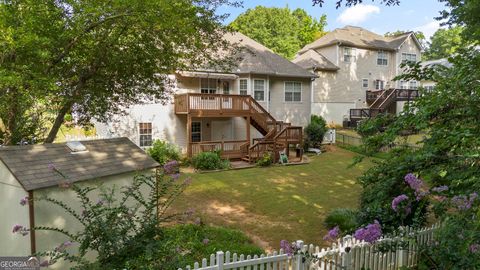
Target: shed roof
{"type": "Point", "coordinates": [32, 164]}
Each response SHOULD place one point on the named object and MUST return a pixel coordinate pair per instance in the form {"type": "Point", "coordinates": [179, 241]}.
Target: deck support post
{"type": "Point", "coordinates": [248, 119]}
{"type": "Point", "coordinates": [189, 136]}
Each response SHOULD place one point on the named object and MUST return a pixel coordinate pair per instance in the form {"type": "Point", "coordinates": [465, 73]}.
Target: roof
{"type": "Point", "coordinates": [359, 37]}
{"type": "Point", "coordinates": [437, 62]}
{"type": "Point", "coordinates": [314, 60]}
{"type": "Point", "coordinates": [32, 164]}
{"type": "Point", "coordinates": [254, 58]}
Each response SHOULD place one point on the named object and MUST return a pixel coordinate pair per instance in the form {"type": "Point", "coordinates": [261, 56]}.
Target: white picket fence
{"type": "Point", "coordinates": [347, 254]}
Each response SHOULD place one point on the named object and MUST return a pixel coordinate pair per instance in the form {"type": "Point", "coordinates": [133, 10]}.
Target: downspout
{"type": "Point", "coordinates": [268, 93]}
{"type": "Point", "coordinates": [31, 214]}
{"type": "Point", "coordinates": [312, 80]}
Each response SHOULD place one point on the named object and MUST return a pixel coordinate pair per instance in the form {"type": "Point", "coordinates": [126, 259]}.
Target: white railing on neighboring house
{"type": "Point", "coordinates": [347, 254]}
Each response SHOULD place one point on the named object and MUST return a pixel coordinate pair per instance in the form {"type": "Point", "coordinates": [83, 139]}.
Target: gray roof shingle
{"type": "Point", "coordinates": [314, 60]}
{"type": "Point", "coordinates": [30, 164]}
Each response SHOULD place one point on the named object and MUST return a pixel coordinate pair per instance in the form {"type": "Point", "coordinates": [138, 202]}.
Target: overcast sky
{"type": "Point", "coordinates": [410, 15]}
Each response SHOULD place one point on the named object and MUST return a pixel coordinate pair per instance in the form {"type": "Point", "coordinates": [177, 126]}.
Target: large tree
{"type": "Point", "coordinates": [280, 29]}
{"type": "Point", "coordinates": [444, 43]}
{"type": "Point", "coordinates": [94, 58]}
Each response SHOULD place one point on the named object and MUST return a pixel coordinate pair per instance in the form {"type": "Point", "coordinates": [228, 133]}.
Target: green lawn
{"type": "Point", "coordinates": [275, 203]}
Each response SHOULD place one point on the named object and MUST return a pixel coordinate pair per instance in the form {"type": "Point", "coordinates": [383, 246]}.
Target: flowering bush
{"type": "Point", "coordinates": [164, 152]}
{"type": "Point", "coordinates": [209, 161]}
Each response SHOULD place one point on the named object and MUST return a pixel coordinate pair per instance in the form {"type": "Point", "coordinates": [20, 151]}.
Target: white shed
{"type": "Point", "coordinates": [28, 171]}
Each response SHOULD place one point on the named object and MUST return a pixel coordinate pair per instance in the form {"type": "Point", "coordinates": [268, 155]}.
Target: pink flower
{"type": "Point", "coordinates": [17, 228]}
{"type": "Point", "coordinates": [205, 241]}
{"type": "Point", "coordinates": [24, 201]}
{"type": "Point", "coordinates": [474, 248]}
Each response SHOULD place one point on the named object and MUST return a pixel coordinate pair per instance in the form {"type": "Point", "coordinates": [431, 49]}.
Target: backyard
{"type": "Point", "coordinates": [275, 203]}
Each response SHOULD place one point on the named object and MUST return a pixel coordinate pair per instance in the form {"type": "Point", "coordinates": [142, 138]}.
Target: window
{"type": "Point", "coordinates": [379, 84]}
{"type": "Point", "coordinates": [410, 57]}
{"type": "Point", "coordinates": [145, 131]}
{"type": "Point", "coordinates": [259, 90]}
{"type": "Point", "coordinates": [196, 131]}
{"type": "Point", "coordinates": [243, 87]}
{"type": "Point", "coordinates": [349, 54]}
{"type": "Point", "coordinates": [403, 85]}
{"type": "Point", "coordinates": [382, 58]}
{"type": "Point", "coordinates": [429, 88]}
{"type": "Point", "coordinates": [412, 85]}
{"type": "Point", "coordinates": [208, 86]}
{"type": "Point", "coordinates": [365, 83]}
{"type": "Point", "coordinates": [293, 91]}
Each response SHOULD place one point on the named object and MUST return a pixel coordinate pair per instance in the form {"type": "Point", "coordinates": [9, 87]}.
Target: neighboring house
{"type": "Point", "coordinates": [237, 112]}
{"type": "Point", "coordinates": [28, 171]}
{"type": "Point", "coordinates": [429, 85]}
{"type": "Point", "coordinates": [354, 66]}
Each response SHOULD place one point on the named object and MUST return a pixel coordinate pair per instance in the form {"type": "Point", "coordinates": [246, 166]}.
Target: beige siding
{"type": "Point", "coordinates": [409, 46]}
{"type": "Point", "coordinates": [331, 53]}
{"type": "Point", "coordinates": [11, 192]}
{"type": "Point", "coordinates": [47, 214]}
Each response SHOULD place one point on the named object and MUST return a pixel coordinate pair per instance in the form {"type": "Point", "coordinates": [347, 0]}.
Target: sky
{"type": "Point", "coordinates": [416, 15]}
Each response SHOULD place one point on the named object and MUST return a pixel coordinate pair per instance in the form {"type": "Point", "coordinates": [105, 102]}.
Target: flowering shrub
{"type": "Point", "coordinates": [266, 160]}
{"type": "Point", "coordinates": [164, 152]}
{"type": "Point", "coordinates": [209, 161]}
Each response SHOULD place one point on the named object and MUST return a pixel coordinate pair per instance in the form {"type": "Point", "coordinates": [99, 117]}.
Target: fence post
{"type": "Point", "coordinates": [347, 259]}
{"type": "Point", "coordinates": [402, 256]}
{"type": "Point", "coordinates": [299, 260]}
{"type": "Point", "coordinates": [220, 260]}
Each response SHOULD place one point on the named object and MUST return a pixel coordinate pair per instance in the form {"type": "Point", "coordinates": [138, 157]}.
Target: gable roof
{"type": "Point", "coordinates": [31, 164]}
{"type": "Point", "coordinates": [314, 60]}
{"type": "Point", "coordinates": [254, 58]}
{"type": "Point", "coordinates": [359, 37]}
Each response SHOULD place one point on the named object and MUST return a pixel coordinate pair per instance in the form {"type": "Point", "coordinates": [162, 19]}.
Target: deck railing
{"type": "Point", "coordinates": [228, 149]}
{"type": "Point", "coordinates": [212, 103]}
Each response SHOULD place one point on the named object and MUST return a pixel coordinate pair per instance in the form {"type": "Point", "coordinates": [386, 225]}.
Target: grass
{"type": "Point", "coordinates": [275, 203]}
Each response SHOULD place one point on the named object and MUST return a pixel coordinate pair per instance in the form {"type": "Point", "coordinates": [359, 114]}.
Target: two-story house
{"type": "Point", "coordinates": [262, 104]}
{"type": "Point", "coordinates": [355, 69]}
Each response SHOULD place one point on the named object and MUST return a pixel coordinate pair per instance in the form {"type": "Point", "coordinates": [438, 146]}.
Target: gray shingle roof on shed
{"type": "Point", "coordinates": [30, 164]}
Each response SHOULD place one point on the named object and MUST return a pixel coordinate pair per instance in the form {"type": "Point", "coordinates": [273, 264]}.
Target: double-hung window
{"type": "Point", "coordinates": [379, 84]}
{"type": "Point", "coordinates": [365, 83]}
{"type": "Point", "coordinates": [145, 132]}
{"type": "Point", "coordinates": [349, 54]}
{"type": "Point", "coordinates": [293, 91]}
{"type": "Point", "coordinates": [403, 84]}
{"type": "Point", "coordinates": [243, 87]}
{"type": "Point", "coordinates": [412, 85]}
{"type": "Point", "coordinates": [409, 57]}
{"type": "Point", "coordinates": [382, 58]}
{"type": "Point", "coordinates": [196, 131]}
{"type": "Point", "coordinates": [259, 90]}
{"type": "Point", "coordinates": [208, 86]}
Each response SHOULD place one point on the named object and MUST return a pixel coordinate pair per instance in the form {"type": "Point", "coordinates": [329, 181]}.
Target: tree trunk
{"type": "Point", "coordinates": [58, 122]}
{"type": "Point", "coordinates": [11, 121]}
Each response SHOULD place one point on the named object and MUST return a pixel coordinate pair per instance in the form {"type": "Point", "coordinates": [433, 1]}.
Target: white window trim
{"type": "Point", "coordinates": [406, 54]}
{"type": "Point", "coordinates": [353, 55]}
{"type": "Point", "coordinates": [191, 132]}
{"type": "Point", "coordinates": [375, 85]}
{"type": "Point", "coordinates": [264, 89]}
{"type": "Point", "coordinates": [285, 92]}
{"type": "Point", "coordinates": [368, 83]}
{"type": "Point", "coordinates": [248, 88]}
{"type": "Point", "coordinates": [209, 89]}
{"type": "Point", "coordinates": [386, 57]}
{"type": "Point", "coordinates": [140, 134]}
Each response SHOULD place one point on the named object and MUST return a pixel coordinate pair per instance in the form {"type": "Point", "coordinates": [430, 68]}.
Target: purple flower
{"type": "Point", "coordinates": [187, 181]}
{"type": "Point", "coordinates": [44, 264]}
{"type": "Point", "coordinates": [175, 176]}
{"type": "Point", "coordinates": [440, 189]}
{"type": "Point", "coordinates": [414, 183]}
{"type": "Point", "coordinates": [370, 233]}
{"type": "Point", "coordinates": [463, 202]}
{"type": "Point", "coordinates": [17, 228]}
{"type": "Point", "coordinates": [397, 200]}
{"type": "Point", "coordinates": [198, 221]}
{"type": "Point", "coordinates": [287, 247]}
{"type": "Point", "coordinates": [63, 246]}
{"type": "Point", "coordinates": [24, 201]}
{"type": "Point", "coordinates": [332, 234]}
{"type": "Point", "coordinates": [52, 167]}
{"type": "Point", "coordinates": [474, 248]}
{"type": "Point", "coordinates": [205, 241]}
{"type": "Point", "coordinates": [171, 167]}
{"type": "Point", "coordinates": [100, 202]}
{"type": "Point", "coordinates": [420, 194]}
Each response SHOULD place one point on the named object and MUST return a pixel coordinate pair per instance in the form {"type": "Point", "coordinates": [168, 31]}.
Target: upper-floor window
{"type": "Point", "coordinates": [379, 85]}
{"type": "Point", "coordinates": [409, 57]}
{"type": "Point", "coordinates": [403, 84]}
{"type": "Point", "coordinates": [365, 83]}
{"type": "Point", "coordinates": [243, 87]}
{"type": "Point", "coordinates": [412, 85]}
{"type": "Point", "coordinates": [293, 91]}
{"type": "Point", "coordinates": [382, 58]}
{"type": "Point", "coordinates": [349, 54]}
{"type": "Point", "coordinates": [259, 90]}
{"type": "Point", "coordinates": [429, 88]}
{"type": "Point", "coordinates": [145, 132]}
{"type": "Point", "coordinates": [208, 86]}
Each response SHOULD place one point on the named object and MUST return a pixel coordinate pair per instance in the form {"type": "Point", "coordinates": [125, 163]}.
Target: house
{"type": "Point", "coordinates": [355, 69]}
{"type": "Point", "coordinates": [429, 85]}
{"type": "Point", "coordinates": [260, 105]}
{"type": "Point", "coordinates": [28, 171]}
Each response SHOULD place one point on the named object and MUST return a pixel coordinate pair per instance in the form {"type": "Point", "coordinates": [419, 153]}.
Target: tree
{"type": "Point", "coordinates": [444, 43]}
{"type": "Point", "coordinates": [280, 29]}
{"type": "Point", "coordinates": [94, 60]}
{"type": "Point", "coordinates": [315, 131]}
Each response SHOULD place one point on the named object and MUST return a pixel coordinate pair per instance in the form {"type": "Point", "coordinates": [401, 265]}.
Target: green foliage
{"type": "Point", "coordinates": [266, 160]}
{"type": "Point", "coordinates": [444, 43]}
{"type": "Point", "coordinates": [163, 151]}
{"type": "Point", "coordinates": [280, 29]}
{"type": "Point", "coordinates": [209, 161]}
{"type": "Point", "coordinates": [344, 218]}
{"type": "Point", "coordinates": [315, 131]}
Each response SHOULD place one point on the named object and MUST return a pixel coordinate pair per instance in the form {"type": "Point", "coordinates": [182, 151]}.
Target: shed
{"type": "Point", "coordinates": [36, 170]}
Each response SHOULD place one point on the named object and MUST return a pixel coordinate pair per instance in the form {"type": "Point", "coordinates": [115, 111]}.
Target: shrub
{"type": "Point", "coordinates": [344, 218]}
{"type": "Point", "coordinates": [209, 161]}
{"type": "Point", "coordinates": [164, 152]}
{"type": "Point", "coordinates": [266, 160]}
{"type": "Point", "coordinates": [315, 131]}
